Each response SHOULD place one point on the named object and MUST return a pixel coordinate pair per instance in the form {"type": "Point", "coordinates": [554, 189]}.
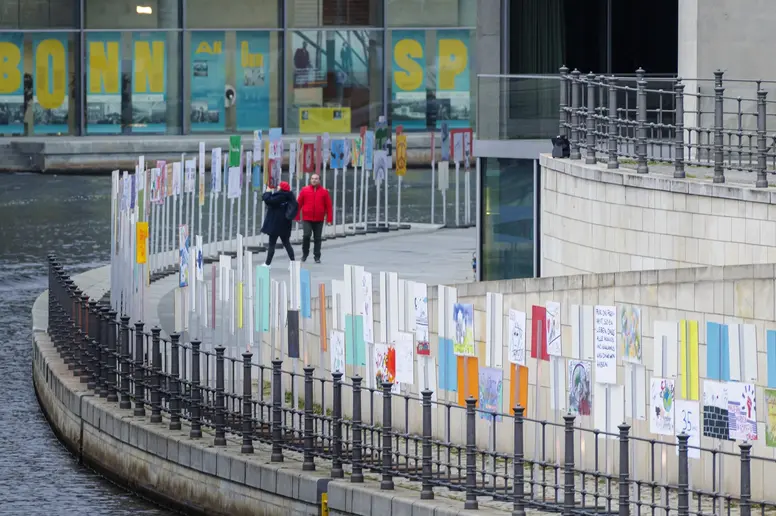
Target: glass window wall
{"type": "Point", "coordinates": [235, 80]}
{"type": "Point", "coordinates": [37, 83]}
{"type": "Point", "coordinates": [233, 14]}
{"type": "Point", "coordinates": [431, 13]}
{"type": "Point", "coordinates": [334, 13]}
{"type": "Point", "coordinates": [431, 78]}
{"type": "Point", "coordinates": [334, 80]}
{"type": "Point", "coordinates": [508, 235]}
{"type": "Point", "coordinates": [131, 14]}
{"type": "Point", "coordinates": [133, 82]}
{"type": "Point", "coordinates": [39, 14]}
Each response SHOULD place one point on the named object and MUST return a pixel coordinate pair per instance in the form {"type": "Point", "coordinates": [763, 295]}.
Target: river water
{"type": "Point", "coordinates": [70, 216]}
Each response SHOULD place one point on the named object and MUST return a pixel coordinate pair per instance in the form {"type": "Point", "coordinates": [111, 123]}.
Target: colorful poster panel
{"type": "Point", "coordinates": [207, 81]}
{"type": "Point", "coordinates": [553, 329]}
{"type": "Point", "coordinates": [519, 396]}
{"type": "Point", "coordinates": [516, 337]}
{"type": "Point", "coordinates": [688, 359]}
{"type": "Point", "coordinates": [491, 387]}
{"type": "Point", "coordinates": [770, 417]}
{"type": "Point", "coordinates": [149, 82]}
{"type": "Point", "coordinates": [463, 321]}
{"type": "Point", "coordinates": [742, 412]}
{"type": "Point", "coordinates": [183, 254]}
{"type": "Point", "coordinates": [688, 421]}
{"type": "Point", "coordinates": [385, 367]}
{"type": "Point", "coordinates": [420, 302]}
{"type": "Point", "coordinates": [453, 93]}
{"type": "Point", "coordinates": [408, 79]}
{"type": "Point", "coordinates": [337, 354]}
{"type": "Point", "coordinates": [630, 333]}
{"type": "Point", "coordinates": [580, 387]}
{"type": "Point", "coordinates": [716, 421]}
{"type": "Point", "coordinates": [538, 333]}
{"type": "Point", "coordinates": [662, 406]}
{"type": "Point", "coordinates": [103, 82]}
{"type": "Point", "coordinates": [52, 83]}
{"type": "Point", "coordinates": [468, 378]}
{"type": "Point", "coordinates": [252, 80]}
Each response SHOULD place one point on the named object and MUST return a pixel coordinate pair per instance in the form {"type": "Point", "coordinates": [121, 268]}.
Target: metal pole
{"type": "Point", "coordinates": [220, 437]}
{"type": "Point", "coordinates": [641, 122]}
{"type": "Point", "coordinates": [124, 364]}
{"type": "Point", "coordinates": [613, 135]}
{"type": "Point", "coordinates": [336, 458]}
{"type": "Point", "coordinates": [679, 137]}
{"type": "Point", "coordinates": [569, 504]}
{"type": "Point", "coordinates": [564, 93]}
{"type": "Point", "coordinates": [308, 463]}
{"type": "Point", "coordinates": [624, 499]}
{"type": "Point", "coordinates": [576, 91]}
{"type": "Point", "coordinates": [139, 374]}
{"type": "Point", "coordinates": [247, 420]}
{"type": "Point", "coordinates": [590, 120]}
{"type": "Point", "coordinates": [762, 178]}
{"type": "Point", "coordinates": [156, 376]}
{"type": "Point", "coordinates": [719, 170]}
{"type": "Point", "coordinates": [387, 466]}
{"type": "Point", "coordinates": [518, 465]}
{"type": "Point", "coordinates": [175, 384]}
{"type": "Point", "coordinates": [357, 474]}
{"type": "Point", "coordinates": [277, 414]}
{"type": "Point", "coordinates": [746, 478]}
{"type": "Point", "coordinates": [471, 455]}
{"type": "Point", "coordinates": [683, 506]}
{"type": "Point", "coordinates": [426, 491]}
{"type": "Point", "coordinates": [196, 394]}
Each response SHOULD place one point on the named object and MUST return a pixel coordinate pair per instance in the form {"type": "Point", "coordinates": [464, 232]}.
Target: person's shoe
{"type": "Point", "coordinates": [304, 257]}
{"type": "Point", "coordinates": [267, 265]}
{"type": "Point", "coordinates": [317, 260]}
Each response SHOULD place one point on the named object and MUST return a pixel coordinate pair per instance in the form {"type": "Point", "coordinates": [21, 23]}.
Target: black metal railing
{"type": "Point", "coordinates": [222, 398]}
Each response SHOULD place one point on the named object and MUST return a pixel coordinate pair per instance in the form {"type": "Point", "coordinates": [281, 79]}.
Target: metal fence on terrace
{"type": "Point", "coordinates": [342, 426]}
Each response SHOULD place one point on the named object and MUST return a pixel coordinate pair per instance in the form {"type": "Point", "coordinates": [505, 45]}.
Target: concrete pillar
{"type": "Point", "coordinates": [169, 18]}
{"type": "Point", "coordinates": [491, 94]}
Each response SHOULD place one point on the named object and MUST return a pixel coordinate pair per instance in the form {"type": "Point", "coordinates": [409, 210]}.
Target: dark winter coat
{"type": "Point", "coordinates": [275, 221]}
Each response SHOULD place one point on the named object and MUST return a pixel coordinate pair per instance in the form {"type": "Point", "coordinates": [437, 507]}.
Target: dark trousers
{"type": "Point", "coordinates": [315, 229]}
{"type": "Point", "coordinates": [273, 240]}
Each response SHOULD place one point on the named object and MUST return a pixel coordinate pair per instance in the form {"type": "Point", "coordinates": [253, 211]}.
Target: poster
{"type": "Point", "coordinates": [366, 311]}
{"type": "Point", "coordinates": [235, 150]}
{"type": "Point", "coordinates": [580, 387]}
{"type": "Point", "coordinates": [190, 176]}
{"type": "Point", "coordinates": [538, 333]}
{"type": "Point", "coordinates": [103, 82]}
{"type": "Point", "coordinates": [453, 84]}
{"type": "Point", "coordinates": [183, 252]}
{"type": "Point", "coordinates": [630, 333]}
{"type": "Point", "coordinates": [199, 263]}
{"type": "Point", "coordinates": [715, 410]}
{"type": "Point", "coordinates": [405, 359]}
{"type": "Point", "coordinates": [420, 302]}
{"type": "Point", "coordinates": [207, 81]}
{"type": "Point", "coordinates": [308, 158]}
{"type": "Point", "coordinates": [553, 329]}
{"type": "Point", "coordinates": [337, 339]}
{"type": "Point", "coordinates": [176, 178]}
{"type": "Point", "coordinates": [215, 170]}
{"type": "Point", "coordinates": [401, 154]}
{"type": "Point", "coordinates": [385, 367]}
{"type": "Point", "coordinates": [605, 347]}
{"type": "Point", "coordinates": [382, 165]}
{"type": "Point", "coordinates": [408, 79]}
{"type": "Point", "coordinates": [292, 159]}
{"type": "Point", "coordinates": [491, 390]}
{"type": "Point", "coordinates": [444, 130]}
{"type": "Point", "coordinates": [770, 417]}
{"type": "Point", "coordinates": [52, 83]}
{"type": "Point", "coordinates": [233, 185]}
{"type": "Point", "coordinates": [149, 82]}
{"type": "Point", "coordinates": [12, 98]}
{"type": "Point", "coordinates": [463, 321]}
{"type": "Point", "coordinates": [337, 159]}
{"type": "Point", "coordinates": [516, 337]}
{"type": "Point", "coordinates": [742, 411]}
{"type": "Point", "coordinates": [305, 289]}
{"type": "Point", "coordinates": [369, 150]}
{"type": "Point", "coordinates": [688, 422]}
{"type": "Point", "coordinates": [662, 406]}
{"type": "Point", "coordinates": [141, 238]}
{"type": "Point", "coordinates": [252, 80]}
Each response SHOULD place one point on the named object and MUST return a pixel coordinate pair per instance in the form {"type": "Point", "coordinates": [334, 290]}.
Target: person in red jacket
{"type": "Point", "coordinates": [315, 209]}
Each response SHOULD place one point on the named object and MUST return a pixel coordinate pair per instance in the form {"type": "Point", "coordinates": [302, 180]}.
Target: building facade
{"type": "Point", "coordinates": [102, 67]}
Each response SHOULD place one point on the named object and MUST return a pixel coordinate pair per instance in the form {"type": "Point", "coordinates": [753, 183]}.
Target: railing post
{"type": "Point", "coordinates": [719, 158]}
{"type": "Point", "coordinates": [357, 473]}
{"type": "Point", "coordinates": [94, 346]}
{"type": "Point", "coordinates": [683, 496]}
{"type": "Point", "coordinates": [86, 369]}
{"type": "Point", "coordinates": [196, 398]}
{"type": "Point", "coordinates": [762, 117]}
{"type": "Point", "coordinates": [612, 135]}
{"type": "Point", "coordinates": [471, 454]}
{"type": "Point", "coordinates": [175, 384]}
{"type": "Point", "coordinates": [641, 121]}
{"type": "Point", "coordinates": [124, 359]}
{"type": "Point", "coordinates": [220, 437]}
{"type": "Point", "coordinates": [156, 376]}
{"type": "Point", "coordinates": [386, 482]}
{"type": "Point", "coordinates": [426, 490]}
{"type": "Point", "coordinates": [679, 136]}
{"type": "Point", "coordinates": [77, 334]}
{"type": "Point", "coordinates": [564, 94]}
{"type": "Point", "coordinates": [104, 352]}
{"type": "Point", "coordinates": [308, 464]}
{"type": "Point", "coordinates": [139, 372]}
{"type": "Point", "coordinates": [746, 478]}
{"type": "Point", "coordinates": [576, 93]}
{"type": "Point", "coordinates": [590, 120]}
{"type": "Point", "coordinates": [113, 357]}
{"type": "Point", "coordinates": [277, 413]}
{"type": "Point", "coordinates": [336, 459]}
{"type": "Point", "coordinates": [624, 499]}
{"type": "Point", "coordinates": [518, 464]}
{"type": "Point", "coordinates": [569, 504]}
{"type": "Point", "coordinates": [247, 408]}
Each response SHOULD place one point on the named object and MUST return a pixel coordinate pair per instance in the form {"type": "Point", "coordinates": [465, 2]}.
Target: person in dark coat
{"type": "Point", "coordinates": [277, 224]}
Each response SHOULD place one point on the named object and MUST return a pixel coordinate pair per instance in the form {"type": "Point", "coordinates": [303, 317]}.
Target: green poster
{"type": "Point", "coordinates": [234, 151]}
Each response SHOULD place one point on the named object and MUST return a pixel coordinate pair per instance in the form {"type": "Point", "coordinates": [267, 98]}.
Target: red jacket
{"type": "Point", "coordinates": [314, 204]}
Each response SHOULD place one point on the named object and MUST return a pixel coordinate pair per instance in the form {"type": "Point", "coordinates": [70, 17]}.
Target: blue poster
{"type": "Point", "coordinates": [337, 154]}
{"type": "Point", "coordinates": [103, 82]}
{"type": "Point", "coordinates": [52, 83]}
{"type": "Point", "coordinates": [304, 283]}
{"type": "Point", "coordinates": [11, 84]}
{"type": "Point", "coordinates": [408, 79]}
{"type": "Point", "coordinates": [252, 80]}
{"type": "Point", "coordinates": [369, 149]}
{"type": "Point", "coordinates": [207, 81]}
{"type": "Point", "coordinates": [149, 82]}
{"type": "Point", "coordinates": [453, 97]}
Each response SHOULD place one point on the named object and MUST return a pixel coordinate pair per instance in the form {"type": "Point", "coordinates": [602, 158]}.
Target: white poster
{"type": "Point", "coordinates": [233, 191]}
{"type": "Point", "coordinates": [553, 329]}
{"type": "Point", "coordinates": [190, 179]}
{"type": "Point", "coordinates": [215, 170]}
{"type": "Point", "coordinates": [291, 161]}
{"type": "Point", "coordinates": [420, 302]}
{"type": "Point", "coordinates": [608, 413]}
{"type": "Point", "coordinates": [427, 365]}
{"type": "Point", "coordinates": [605, 345]}
{"type": "Point", "coordinates": [517, 337]}
{"type": "Point", "coordinates": [742, 412]}
{"type": "Point", "coordinates": [688, 421]}
{"type": "Point", "coordinates": [404, 358]}
{"type": "Point", "coordinates": [366, 310]}
{"type": "Point", "coordinates": [198, 259]}
{"type": "Point", "coordinates": [176, 178]}
{"type": "Point", "coordinates": [662, 406]}
{"type": "Point", "coordinates": [337, 340]}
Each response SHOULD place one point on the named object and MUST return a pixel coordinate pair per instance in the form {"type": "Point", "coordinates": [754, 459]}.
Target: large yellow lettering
{"type": "Point", "coordinates": [410, 77]}
{"type": "Point", "coordinates": [10, 74]}
{"type": "Point", "coordinates": [205, 48]}
{"type": "Point", "coordinates": [453, 59]}
{"type": "Point", "coordinates": [149, 67]}
{"type": "Point", "coordinates": [51, 80]}
{"type": "Point", "coordinates": [104, 67]}
{"type": "Point", "coordinates": [249, 60]}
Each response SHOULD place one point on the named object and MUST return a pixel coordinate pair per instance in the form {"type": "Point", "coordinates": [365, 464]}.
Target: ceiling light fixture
{"type": "Point", "coordinates": [144, 9]}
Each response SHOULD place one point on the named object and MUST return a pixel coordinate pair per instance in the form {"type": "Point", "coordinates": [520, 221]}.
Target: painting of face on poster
{"type": "Point", "coordinates": [580, 387]}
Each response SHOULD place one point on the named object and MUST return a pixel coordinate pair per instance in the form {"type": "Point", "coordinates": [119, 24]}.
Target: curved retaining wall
{"type": "Point", "coordinates": [190, 474]}
{"type": "Point", "coordinates": [598, 220]}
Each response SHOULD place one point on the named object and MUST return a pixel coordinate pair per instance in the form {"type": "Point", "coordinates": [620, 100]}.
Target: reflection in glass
{"type": "Point", "coordinates": [507, 218]}
{"type": "Point", "coordinates": [335, 80]}
{"type": "Point", "coordinates": [334, 13]}
{"type": "Point", "coordinates": [431, 13]}
{"type": "Point", "coordinates": [131, 14]}
{"type": "Point", "coordinates": [238, 14]}
{"type": "Point", "coordinates": [38, 14]}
